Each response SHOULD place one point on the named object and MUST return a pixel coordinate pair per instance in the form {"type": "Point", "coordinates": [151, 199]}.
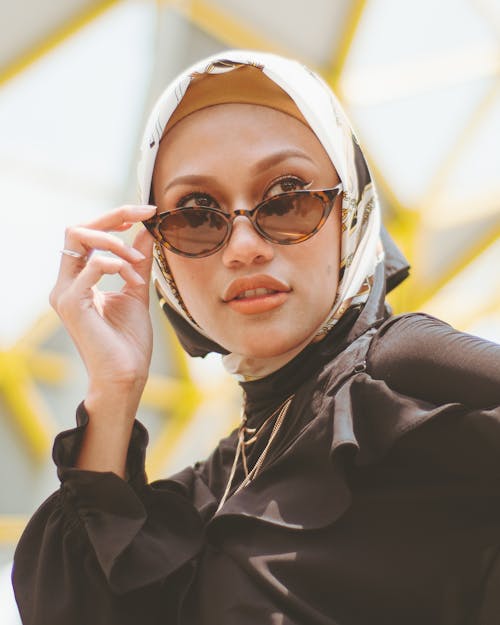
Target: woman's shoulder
{"type": "Point", "coordinates": [430, 395]}
{"type": "Point", "coordinates": [421, 356]}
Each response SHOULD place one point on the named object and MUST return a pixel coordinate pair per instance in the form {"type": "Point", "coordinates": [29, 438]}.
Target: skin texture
{"type": "Point", "coordinates": [111, 329]}
{"type": "Point", "coordinates": [228, 149]}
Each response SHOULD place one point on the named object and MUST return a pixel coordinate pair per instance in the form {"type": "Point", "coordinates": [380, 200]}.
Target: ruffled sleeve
{"type": "Point", "coordinates": [105, 550]}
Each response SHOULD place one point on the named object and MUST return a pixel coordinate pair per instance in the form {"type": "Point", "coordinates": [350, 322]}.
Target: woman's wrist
{"type": "Point", "coordinates": [111, 410]}
{"type": "Point", "coordinates": [117, 400]}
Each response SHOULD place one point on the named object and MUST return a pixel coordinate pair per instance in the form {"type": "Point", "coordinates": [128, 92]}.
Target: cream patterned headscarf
{"type": "Point", "coordinates": [361, 249]}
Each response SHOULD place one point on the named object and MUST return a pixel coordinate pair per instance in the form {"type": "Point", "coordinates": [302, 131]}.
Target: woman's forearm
{"type": "Point", "coordinates": [107, 435]}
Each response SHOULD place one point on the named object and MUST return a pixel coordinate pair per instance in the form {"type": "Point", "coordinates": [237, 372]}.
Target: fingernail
{"type": "Point", "coordinates": [136, 255]}
{"type": "Point", "coordinates": [146, 209]}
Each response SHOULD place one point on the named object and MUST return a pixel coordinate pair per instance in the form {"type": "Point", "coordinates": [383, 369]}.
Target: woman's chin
{"type": "Point", "coordinates": [266, 346]}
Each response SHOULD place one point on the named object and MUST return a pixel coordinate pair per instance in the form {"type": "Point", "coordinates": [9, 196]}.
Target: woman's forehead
{"type": "Point", "coordinates": [226, 131]}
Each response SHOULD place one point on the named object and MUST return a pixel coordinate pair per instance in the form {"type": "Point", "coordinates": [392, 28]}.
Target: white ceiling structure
{"type": "Point", "coordinates": [420, 81]}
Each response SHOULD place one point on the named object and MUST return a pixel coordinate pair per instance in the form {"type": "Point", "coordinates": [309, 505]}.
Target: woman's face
{"type": "Point", "coordinates": [233, 156]}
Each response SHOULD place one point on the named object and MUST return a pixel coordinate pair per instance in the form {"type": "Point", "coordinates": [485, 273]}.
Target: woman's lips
{"type": "Point", "coordinates": [256, 294]}
{"type": "Point", "coordinates": [258, 303]}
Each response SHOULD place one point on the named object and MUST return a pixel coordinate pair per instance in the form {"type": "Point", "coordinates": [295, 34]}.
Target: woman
{"type": "Point", "coordinates": [362, 485]}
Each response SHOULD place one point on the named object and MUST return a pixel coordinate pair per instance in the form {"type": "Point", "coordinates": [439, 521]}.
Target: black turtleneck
{"type": "Point", "coordinates": [266, 394]}
{"type": "Point", "coordinates": [378, 502]}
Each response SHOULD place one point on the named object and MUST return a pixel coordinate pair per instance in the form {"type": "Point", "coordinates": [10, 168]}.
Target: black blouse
{"type": "Point", "coordinates": [378, 504]}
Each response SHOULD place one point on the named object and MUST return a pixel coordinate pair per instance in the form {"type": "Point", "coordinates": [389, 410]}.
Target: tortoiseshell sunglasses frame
{"type": "Point", "coordinates": [327, 197]}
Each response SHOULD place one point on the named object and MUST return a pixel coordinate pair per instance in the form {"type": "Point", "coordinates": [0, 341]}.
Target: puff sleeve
{"type": "Point", "coordinates": [107, 551]}
{"type": "Point", "coordinates": [421, 356]}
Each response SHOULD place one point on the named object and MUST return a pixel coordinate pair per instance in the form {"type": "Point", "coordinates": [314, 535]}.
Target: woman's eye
{"type": "Point", "coordinates": [285, 185]}
{"type": "Point", "coordinates": [197, 200]}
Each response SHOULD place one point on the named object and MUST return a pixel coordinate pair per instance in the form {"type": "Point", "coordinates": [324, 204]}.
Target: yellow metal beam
{"type": "Point", "coordinates": [49, 42]}
{"type": "Point", "coordinates": [406, 224]}
{"type": "Point", "coordinates": [402, 224]}
{"type": "Point", "coordinates": [164, 392]}
{"type": "Point", "coordinates": [182, 403]}
{"type": "Point", "coordinates": [175, 350]}
{"type": "Point", "coordinates": [375, 85]}
{"type": "Point", "coordinates": [341, 52]}
{"type": "Point", "coordinates": [404, 227]}
{"type": "Point", "coordinates": [437, 184]}
{"type": "Point", "coordinates": [434, 195]}
{"type": "Point", "coordinates": [230, 30]}
{"type": "Point", "coordinates": [193, 406]}
{"type": "Point", "coordinates": [46, 324]}
{"type": "Point", "coordinates": [454, 212]}
{"type": "Point", "coordinates": [31, 416]}
{"type": "Point", "coordinates": [11, 528]}
{"type": "Point", "coordinates": [176, 398]}
{"type": "Point", "coordinates": [19, 367]}
{"type": "Point", "coordinates": [179, 397]}
{"type": "Point", "coordinates": [491, 307]}
{"type": "Point", "coordinates": [47, 366]}
{"type": "Point", "coordinates": [426, 291]}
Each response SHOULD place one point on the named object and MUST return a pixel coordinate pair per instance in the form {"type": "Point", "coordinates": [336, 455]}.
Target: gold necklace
{"type": "Point", "coordinates": [243, 430]}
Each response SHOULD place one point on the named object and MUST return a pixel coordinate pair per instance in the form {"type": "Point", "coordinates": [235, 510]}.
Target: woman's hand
{"type": "Point", "coordinates": [111, 329]}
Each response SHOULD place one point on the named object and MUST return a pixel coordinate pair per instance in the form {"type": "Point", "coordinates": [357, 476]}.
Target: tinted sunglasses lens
{"type": "Point", "coordinates": [292, 217]}
{"type": "Point", "coordinates": [193, 231]}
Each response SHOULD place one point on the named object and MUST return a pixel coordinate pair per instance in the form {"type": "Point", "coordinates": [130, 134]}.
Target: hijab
{"type": "Point", "coordinates": [291, 87]}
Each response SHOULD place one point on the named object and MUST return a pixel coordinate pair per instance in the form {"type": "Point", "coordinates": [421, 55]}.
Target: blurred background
{"type": "Point", "coordinates": [421, 84]}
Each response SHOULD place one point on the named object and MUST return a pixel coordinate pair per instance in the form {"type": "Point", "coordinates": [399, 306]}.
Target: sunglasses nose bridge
{"type": "Point", "coordinates": [242, 212]}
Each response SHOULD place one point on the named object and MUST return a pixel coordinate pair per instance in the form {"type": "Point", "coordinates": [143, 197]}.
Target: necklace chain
{"type": "Point", "coordinates": [281, 411]}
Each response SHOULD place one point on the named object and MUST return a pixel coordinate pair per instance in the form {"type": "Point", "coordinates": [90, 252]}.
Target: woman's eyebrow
{"type": "Point", "coordinates": [193, 179]}
{"type": "Point", "coordinates": [278, 157]}
{"type": "Point", "coordinates": [262, 165]}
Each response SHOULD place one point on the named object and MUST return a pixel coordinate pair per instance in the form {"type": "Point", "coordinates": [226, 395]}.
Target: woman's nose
{"type": "Point", "coordinates": [246, 245]}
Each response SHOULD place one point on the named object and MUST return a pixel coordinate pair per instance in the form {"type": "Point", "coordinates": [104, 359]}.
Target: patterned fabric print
{"type": "Point", "coordinates": [223, 66]}
{"type": "Point", "coordinates": [361, 249]}
{"type": "Point", "coordinates": [168, 277]}
{"type": "Point", "coordinates": [359, 298]}
{"type": "Point", "coordinates": [162, 111]}
{"type": "Point", "coordinates": [349, 212]}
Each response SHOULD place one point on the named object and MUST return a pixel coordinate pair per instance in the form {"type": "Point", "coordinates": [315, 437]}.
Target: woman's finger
{"type": "Point", "coordinates": [83, 239]}
{"type": "Point", "coordinates": [121, 217]}
{"type": "Point", "coordinates": [143, 243]}
{"type": "Point", "coordinates": [68, 302]}
{"type": "Point", "coordinates": [74, 257]}
{"type": "Point", "coordinates": [80, 241]}
{"type": "Point", "coordinates": [99, 265]}
{"type": "Point", "coordinates": [97, 240]}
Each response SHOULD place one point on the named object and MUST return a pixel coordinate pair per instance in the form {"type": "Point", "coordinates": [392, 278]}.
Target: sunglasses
{"type": "Point", "coordinates": [286, 219]}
